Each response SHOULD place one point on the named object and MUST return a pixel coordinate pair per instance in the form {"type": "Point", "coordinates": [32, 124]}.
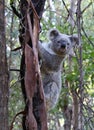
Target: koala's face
{"type": "Point", "coordinates": [62, 44]}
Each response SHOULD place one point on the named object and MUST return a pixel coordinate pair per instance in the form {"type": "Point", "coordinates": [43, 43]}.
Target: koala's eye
{"type": "Point", "coordinates": [68, 44]}
{"type": "Point", "coordinates": [58, 41]}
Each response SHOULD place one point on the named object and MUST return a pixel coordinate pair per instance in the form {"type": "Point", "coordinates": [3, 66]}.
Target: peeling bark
{"type": "Point", "coordinates": [35, 118]}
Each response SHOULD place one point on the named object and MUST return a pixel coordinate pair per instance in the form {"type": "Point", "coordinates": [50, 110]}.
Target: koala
{"type": "Point", "coordinates": [52, 55]}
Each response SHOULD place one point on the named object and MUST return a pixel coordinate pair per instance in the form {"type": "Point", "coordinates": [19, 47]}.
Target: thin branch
{"type": "Point", "coordinates": [19, 80]}
{"type": "Point", "coordinates": [65, 6]}
{"type": "Point", "coordinates": [15, 11]}
{"type": "Point", "coordinates": [86, 7]}
{"type": "Point", "coordinates": [16, 49]}
{"type": "Point", "coordinates": [20, 113]}
{"type": "Point", "coordinates": [15, 70]}
{"type": "Point", "coordinates": [69, 12]}
{"type": "Point", "coordinates": [87, 37]}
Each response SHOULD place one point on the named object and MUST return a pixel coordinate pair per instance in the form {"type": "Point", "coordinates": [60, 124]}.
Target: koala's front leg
{"type": "Point", "coordinates": [52, 92]}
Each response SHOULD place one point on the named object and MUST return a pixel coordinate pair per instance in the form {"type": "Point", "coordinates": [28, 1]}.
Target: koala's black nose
{"type": "Point", "coordinates": [63, 45]}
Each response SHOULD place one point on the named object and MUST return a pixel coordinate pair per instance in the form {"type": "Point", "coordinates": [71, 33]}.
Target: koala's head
{"type": "Point", "coordinates": [62, 44]}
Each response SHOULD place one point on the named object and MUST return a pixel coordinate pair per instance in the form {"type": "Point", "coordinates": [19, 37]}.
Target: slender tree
{"type": "Point", "coordinates": [3, 72]}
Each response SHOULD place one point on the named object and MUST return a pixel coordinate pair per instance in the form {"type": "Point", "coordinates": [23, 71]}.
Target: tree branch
{"type": "Point", "coordinates": [86, 7]}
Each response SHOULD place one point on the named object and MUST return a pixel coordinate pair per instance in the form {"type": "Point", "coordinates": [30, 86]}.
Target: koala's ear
{"type": "Point", "coordinates": [74, 40]}
{"type": "Point", "coordinates": [53, 33]}
{"type": "Point", "coordinates": [71, 52]}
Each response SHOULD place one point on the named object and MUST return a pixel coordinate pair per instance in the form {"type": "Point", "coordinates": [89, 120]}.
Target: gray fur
{"type": "Point", "coordinates": [52, 55]}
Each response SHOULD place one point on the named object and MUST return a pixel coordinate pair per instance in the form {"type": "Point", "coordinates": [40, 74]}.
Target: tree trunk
{"type": "Point", "coordinates": [35, 117]}
{"type": "Point", "coordinates": [81, 81]}
{"type": "Point", "coordinates": [3, 73]}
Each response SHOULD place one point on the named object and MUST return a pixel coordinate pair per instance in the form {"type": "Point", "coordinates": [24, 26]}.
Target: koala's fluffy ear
{"type": "Point", "coordinates": [71, 52]}
{"type": "Point", "coordinates": [53, 33]}
{"type": "Point", "coordinates": [74, 40]}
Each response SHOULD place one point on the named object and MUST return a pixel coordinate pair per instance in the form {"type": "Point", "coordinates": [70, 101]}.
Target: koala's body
{"type": "Point", "coordinates": [52, 55]}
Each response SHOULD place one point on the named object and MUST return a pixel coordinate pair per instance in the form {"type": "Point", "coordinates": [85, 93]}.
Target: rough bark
{"type": "Point", "coordinates": [35, 118]}
{"type": "Point", "coordinates": [3, 72]}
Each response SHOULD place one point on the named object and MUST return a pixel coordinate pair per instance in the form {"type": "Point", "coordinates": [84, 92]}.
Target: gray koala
{"type": "Point", "coordinates": [52, 55]}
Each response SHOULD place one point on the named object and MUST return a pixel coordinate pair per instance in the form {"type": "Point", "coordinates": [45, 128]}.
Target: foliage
{"type": "Point", "coordinates": [56, 15]}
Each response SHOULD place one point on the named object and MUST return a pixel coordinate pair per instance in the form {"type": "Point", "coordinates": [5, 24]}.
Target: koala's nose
{"type": "Point", "coordinates": [63, 45]}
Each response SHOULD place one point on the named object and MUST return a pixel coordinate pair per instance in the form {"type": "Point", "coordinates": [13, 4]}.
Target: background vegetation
{"type": "Point", "coordinates": [56, 15]}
